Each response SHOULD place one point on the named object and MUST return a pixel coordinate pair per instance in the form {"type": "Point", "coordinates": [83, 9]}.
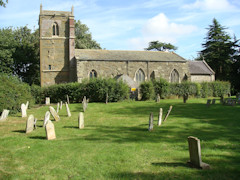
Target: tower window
{"type": "Point", "coordinates": [49, 67]}
{"type": "Point", "coordinates": [93, 74]}
{"type": "Point", "coordinates": [55, 29]}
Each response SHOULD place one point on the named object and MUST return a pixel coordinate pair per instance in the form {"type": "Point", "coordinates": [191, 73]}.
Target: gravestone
{"type": "Point", "coordinates": [50, 130]}
{"type": "Point", "coordinates": [46, 118]}
{"type": "Point", "coordinates": [195, 153]}
{"type": "Point", "coordinates": [68, 100]}
{"type": "Point", "coordinates": [24, 110]}
{"type": "Point", "coordinates": [47, 102]}
{"type": "Point", "coordinates": [170, 109]}
{"type": "Point", "coordinates": [61, 105]}
{"type": "Point", "coordinates": [68, 110]}
{"type": "Point", "coordinates": [160, 117]}
{"type": "Point", "coordinates": [4, 115]}
{"type": "Point", "coordinates": [208, 102]}
{"type": "Point", "coordinates": [213, 101]}
{"type": "Point", "coordinates": [106, 98]}
{"type": "Point", "coordinates": [27, 104]}
{"type": "Point", "coordinates": [54, 113]}
{"type": "Point", "coordinates": [150, 128]}
{"type": "Point", "coordinates": [35, 123]}
{"type": "Point", "coordinates": [158, 98]}
{"type": "Point", "coordinates": [57, 107]}
{"type": "Point", "coordinates": [84, 103]}
{"type": "Point", "coordinates": [81, 120]}
{"type": "Point", "coordinates": [30, 124]}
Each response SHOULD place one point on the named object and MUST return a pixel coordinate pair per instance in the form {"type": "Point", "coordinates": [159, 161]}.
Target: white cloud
{"type": "Point", "coordinates": [162, 29]}
{"type": "Point", "coordinates": [213, 5]}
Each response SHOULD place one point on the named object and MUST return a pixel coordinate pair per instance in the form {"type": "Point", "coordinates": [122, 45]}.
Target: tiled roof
{"type": "Point", "coordinates": [199, 67]}
{"type": "Point", "coordinates": [119, 55]}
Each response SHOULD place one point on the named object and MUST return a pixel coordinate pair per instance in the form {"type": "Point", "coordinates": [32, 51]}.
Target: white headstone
{"type": "Point", "coordinates": [68, 110]}
{"type": "Point", "coordinates": [61, 105]}
{"type": "Point", "coordinates": [24, 110]}
{"type": "Point", "coordinates": [68, 100]}
{"type": "Point", "coordinates": [30, 124]}
{"type": "Point", "coordinates": [160, 117]}
{"type": "Point", "coordinates": [50, 131]}
{"type": "Point", "coordinates": [46, 118]}
{"type": "Point", "coordinates": [54, 113]}
{"type": "Point", "coordinates": [57, 107]}
{"type": "Point", "coordinates": [81, 120]}
{"type": "Point", "coordinates": [47, 101]}
{"type": "Point", "coordinates": [27, 104]}
{"type": "Point", "coordinates": [4, 115]}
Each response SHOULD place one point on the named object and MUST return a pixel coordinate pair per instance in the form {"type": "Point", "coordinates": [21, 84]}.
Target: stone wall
{"type": "Point", "coordinates": [202, 78]}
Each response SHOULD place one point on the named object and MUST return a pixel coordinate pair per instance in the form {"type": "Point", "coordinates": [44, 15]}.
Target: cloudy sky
{"type": "Point", "coordinates": [132, 24]}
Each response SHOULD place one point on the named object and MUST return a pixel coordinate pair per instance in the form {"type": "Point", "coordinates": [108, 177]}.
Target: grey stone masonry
{"type": "Point", "coordinates": [195, 153]}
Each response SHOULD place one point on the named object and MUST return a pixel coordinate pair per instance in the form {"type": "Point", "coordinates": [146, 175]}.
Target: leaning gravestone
{"type": "Point", "coordinates": [81, 120]}
{"type": "Point", "coordinates": [50, 130]}
{"type": "Point", "coordinates": [54, 113]}
{"type": "Point", "coordinates": [24, 110]}
{"type": "Point", "coordinates": [68, 100]}
{"type": "Point", "coordinates": [57, 107]}
{"type": "Point", "coordinates": [47, 102]}
{"type": "Point", "coordinates": [46, 118]}
{"type": "Point", "coordinates": [150, 128]}
{"type": "Point", "coordinates": [4, 115]}
{"type": "Point", "coordinates": [170, 109]}
{"type": "Point", "coordinates": [208, 102]}
{"type": "Point", "coordinates": [160, 117]}
{"type": "Point", "coordinates": [27, 104]}
{"type": "Point", "coordinates": [195, 153]}
{"type": "Point", "coordinates": [30, 124]}
{"type": "Point", "coordinates": [213, 101]}
{"type": "Point", "coordinates": [68, 110]}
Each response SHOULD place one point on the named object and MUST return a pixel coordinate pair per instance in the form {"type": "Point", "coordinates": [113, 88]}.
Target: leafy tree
{"type": "Point", "coordinates": [3, 3]}
{"type": "Point", "coordinates": [218, 50]}
{"type": "Point", "coordinates": [160, 46]}
{"type": "Point", "coordinates": [84, 38]}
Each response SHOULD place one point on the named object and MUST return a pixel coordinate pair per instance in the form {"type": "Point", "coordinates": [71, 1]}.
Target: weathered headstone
{"type": "Point", "coordinates": [35, 123]}
{"type": "Point", "coordinates": [158, 98]}
{"type": "Point", "coordinates": [4, 115]}
{"type": "Point", "coordinates": [50, 130]}
{"type": "Point", "coordinates": [195, 153]}
{"type": "Point", "coordinates": [46, 118]}
{"type": "Point", "coordinates": [54, 113]}
{"type": "Point", "coordinates": [213, 101]}
{"type": "Point", "coordinates": [30, 124]}
{"type": "Point", "coordinates": [47, 102]}
{"type": "Point", "coordinates": [57, 107]}
{"type": "Point", "coordinates": [68, 110]}
{"type": "Point", "coordinates": [106, 98]}
{"type": "Point", "coordinates": [27, 104]}
{"type": "Point", "coordinates": [208, 102]}
{"type": "Point", "coordinates": [61, 105]}
{"type": "Point", "coordinates": [160, 117]}
{"type": "Point", "coordinates": [24, 110]}
{"type": "Point", "coordinates": [68, 100]}
{"type": "Point", "coordinates": [150, 128]}
{"type": "Point", "coordinates": [170, 109]}
{"type": "Point", "coordinates": [84, 103]}
{"type": "Point", "coordinates": [81, 120]}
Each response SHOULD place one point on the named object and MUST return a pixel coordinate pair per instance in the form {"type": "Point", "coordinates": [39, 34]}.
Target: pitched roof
{"type": "Point", "coordinates": [125, 78]}
{"type": "Point", "coordinates": [119, 55]}
{"type": "Point", "coordinates": [199, 67]}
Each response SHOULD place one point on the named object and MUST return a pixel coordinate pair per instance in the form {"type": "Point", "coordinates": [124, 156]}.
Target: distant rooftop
{"type": "Point", "coordinates": [200, 67]}
{"type": "Point", "coordinates": [119, 55]}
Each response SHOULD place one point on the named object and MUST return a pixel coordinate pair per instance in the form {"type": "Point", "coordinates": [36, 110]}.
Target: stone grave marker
{"type": "Point", "coordinates": [46, 118]}
{"type": "Point", "coordinates": [213, 101]}
{"type": "Point", "coordinates": [57, 107]}
{"type": "Point", "coordinates": [195, 153]}
{"type": "Point", "coordinates": [68, 100]}
{"type": "Point", "coordinates": [47, 102]}
{"type": "Point", "coordinates": [30, 124]}
{"type": "Point", "coordinates": [4, 115]}
{"type": "Point", "coordinates": [61, 105]}
{"type": "Point", "coordinates": [35, 123]}
{"type": "Point", "coordinates": [24, 110]}
{"type": "Point", "coordinates": [106, 98]}
{"type": "Point", "coordinates": [27, 104]}
{"type": "Point", "coordinates": [50, 130]}
{"type": "Point", "coordinates": [84, 103]}
{"type": "Point", "coordinates": [170, 109]}
{"type": "Point", "coordinates": [160, 117]}
{"type": "Point", "coordinates": [81, 120]}
{"type": "Point", "coordinates": [68, 110]}
{"type": "Point", "coordinates": [54, 113]}
{"type": "Point", "coordinates": [150, 128]}
{"type": "Point", "coordinates": [158, 98]}
{"type": "Point", "coordinates": [208, 102]}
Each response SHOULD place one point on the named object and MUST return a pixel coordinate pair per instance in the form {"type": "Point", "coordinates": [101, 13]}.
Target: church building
{"type": "Point", "coordinates": [60, 62]}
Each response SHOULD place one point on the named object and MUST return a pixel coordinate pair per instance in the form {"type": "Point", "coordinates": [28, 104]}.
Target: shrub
{"type": "Point", "coordinates": [13, 93]}
{"type": "Point", "coordinates": [162, 87]}
{"type": "Point", "coordinates": [147, 90]}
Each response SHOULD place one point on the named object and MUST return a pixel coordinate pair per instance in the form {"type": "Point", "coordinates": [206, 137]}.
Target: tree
{"type": "Point", "coordinates": [218, 50]}
{"type": "Point", "coordinates": [84, 38]}
{"type": "Point", "coordinates": [159, 46]}
{"type": "Point", "coordinates": [3, 3]}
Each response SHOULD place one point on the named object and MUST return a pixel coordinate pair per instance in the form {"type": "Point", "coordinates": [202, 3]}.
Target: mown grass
{"type": "Point", "coordinates": [116, 144]}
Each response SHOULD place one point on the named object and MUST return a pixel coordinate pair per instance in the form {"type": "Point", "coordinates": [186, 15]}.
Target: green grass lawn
{"type": "Point", "coordinates": [116, 144]}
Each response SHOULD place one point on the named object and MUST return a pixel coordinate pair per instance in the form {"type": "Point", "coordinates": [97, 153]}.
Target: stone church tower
{"type": "Point", "coordinates": [57, 47]}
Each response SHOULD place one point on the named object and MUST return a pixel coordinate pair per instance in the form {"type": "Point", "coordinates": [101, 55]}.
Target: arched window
{"type": "Point", "coordinates": [55, 29]}
{"type": "Point", "coordinates": [174, 76]}
{"type": "Point", "coordinates": [93, 74]}
{"type": "Point", "coordinates": [140, 76]}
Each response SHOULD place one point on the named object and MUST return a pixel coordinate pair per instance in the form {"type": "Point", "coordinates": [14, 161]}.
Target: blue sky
{"type": "Point", "coordinates": [132, 24]}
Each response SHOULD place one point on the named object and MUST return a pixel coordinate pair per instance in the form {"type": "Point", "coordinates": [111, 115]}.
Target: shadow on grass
{"type": "Point", "coordinates": [20, 131]}
{"type": "Point", "coordinates": [71, 127]}
{"type": "Point", "coordinates": [38, 137]}
{"type": "Point", "coordinates": [170, 164]}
